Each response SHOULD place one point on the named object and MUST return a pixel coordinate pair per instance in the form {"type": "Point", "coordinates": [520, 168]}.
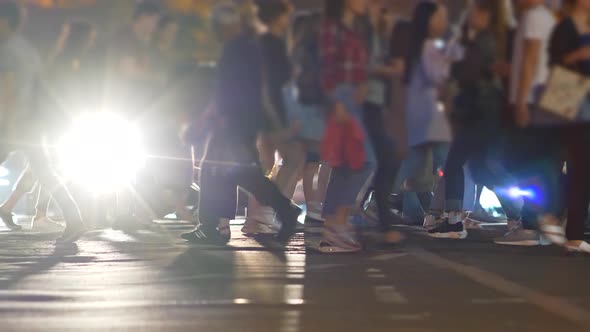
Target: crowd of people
{"type": "Point", "coordinates": [381, 118]}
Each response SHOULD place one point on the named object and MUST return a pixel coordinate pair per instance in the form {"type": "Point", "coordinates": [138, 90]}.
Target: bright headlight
{"type": "Point", "coordinates": [102, 151]}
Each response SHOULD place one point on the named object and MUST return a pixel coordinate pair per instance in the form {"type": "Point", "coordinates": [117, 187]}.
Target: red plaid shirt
{"type": "Point", "coordinates": [344, 56]}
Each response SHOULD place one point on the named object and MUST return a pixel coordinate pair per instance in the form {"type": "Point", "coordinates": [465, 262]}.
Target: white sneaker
{"type": "Point", "coordinates": [341, 239]}
{"type": "Point", "coordinates": [522, 237]}
{"type": "Point", "coordinates": [553, 229]}
{"type": "Point", "coordinates": [431, 221]}
{"type": "Point", "coordinates": [261, 221]}
{"type": "Point", "coordinates": [46, 225]}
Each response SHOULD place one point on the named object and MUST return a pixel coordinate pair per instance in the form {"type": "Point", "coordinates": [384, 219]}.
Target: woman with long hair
{"type": "Point", "coordinates": [427, 69]}
{"type": "Point", "coordinates": [476, 113]}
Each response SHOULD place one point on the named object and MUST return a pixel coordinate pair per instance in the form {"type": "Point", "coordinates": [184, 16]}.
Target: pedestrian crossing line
{"type": "Point", "coordinates": [502, 300]}
{"type": "Point", "coordinates": [389, 294]}
{"type": "Point", "coordinates": [552, 304]}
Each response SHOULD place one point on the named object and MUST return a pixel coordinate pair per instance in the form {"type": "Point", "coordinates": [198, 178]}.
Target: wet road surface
{"type": "Point", "coordinates": [152, 281]}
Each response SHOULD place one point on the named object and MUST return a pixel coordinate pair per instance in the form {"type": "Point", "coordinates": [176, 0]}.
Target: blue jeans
{"type": "Point", "coordinates": [419, 171]}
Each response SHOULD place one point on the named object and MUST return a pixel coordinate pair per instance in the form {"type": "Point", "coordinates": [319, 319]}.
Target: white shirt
{"type": "Point", "coordinates": [536, 24]}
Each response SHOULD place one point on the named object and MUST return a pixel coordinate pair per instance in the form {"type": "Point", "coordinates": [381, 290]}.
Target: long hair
{"type": "Point", "coordinates": [420, 31]}
{"type": "Point", "coordinates": [499, 24]}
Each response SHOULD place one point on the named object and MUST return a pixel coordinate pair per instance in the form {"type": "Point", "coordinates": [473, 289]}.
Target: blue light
{"type": "Point", "coordinates": [516, 192]}
{"type": "Point", "coordinates": [4, 172]}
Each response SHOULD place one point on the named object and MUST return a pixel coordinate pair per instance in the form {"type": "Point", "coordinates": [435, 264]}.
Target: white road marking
{"type": "Point", "coordinates": [387, 257]}
{"type": "Point", "coordinates": [552, 304]}
{"type": "Point", "coordinates": [410, 317]}
{"type": "Point", "coordinates": [389, 294]}
{"type": "Point", "coordinates": [502, 300]}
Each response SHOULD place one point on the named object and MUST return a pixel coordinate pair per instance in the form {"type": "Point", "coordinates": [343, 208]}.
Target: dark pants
{"type": "Point", "coordinates": [229, 163]}
{"type": "Point", "coordinates": [534, 156]}
{"type": "Point", "coordinates": [470, 143]}
{"type": "Point", "coordinates": [576, 141]}
{"type": "Point", "coordinates": [387, 163]}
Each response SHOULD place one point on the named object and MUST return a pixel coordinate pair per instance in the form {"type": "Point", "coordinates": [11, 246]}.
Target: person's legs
{"type": "Point", "coordinates": [266, 150]}
{"type": "Point", "coordinates": [313, 201]}
{"type": "Point", "coordinates": [25, 183]}
{"type": "Point", "coordinates": [293, 155]}
{"type": "Point", "coordinates": [310, 171]}
{"type": "Point", "coordinates": [217, 195]}
{"type": "Point", "coordinates": [268, 194]}
{"type": "Point", "coordinates": [578, 196]}
{"type": "Point", "coordinates": [323, 179]}
{"type": "Point", "coordinates": [344, 190]}
{"type": "Point", "coordinates": [41, 168]}
{"type": "Point", "coordinates": [387, 164]}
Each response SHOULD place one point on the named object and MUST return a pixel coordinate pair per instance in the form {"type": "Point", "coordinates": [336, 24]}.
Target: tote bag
{"type": "Point", "coordinates": [565, 97]}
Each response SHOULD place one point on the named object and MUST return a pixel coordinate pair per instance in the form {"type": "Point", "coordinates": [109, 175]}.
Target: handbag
{"type": "Point", "coordinates": [564, 94]}
{"type": "Point", "coordinates": [343, 144]}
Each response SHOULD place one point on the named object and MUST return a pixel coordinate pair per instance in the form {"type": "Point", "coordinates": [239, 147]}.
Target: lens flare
{"type": "Point", "coordinates": [102, 151]}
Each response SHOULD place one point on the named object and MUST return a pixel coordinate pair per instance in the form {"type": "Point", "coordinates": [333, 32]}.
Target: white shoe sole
{"type": "Point", "coordinates": [252, 227]}
{"type": "Point", "coordinates": [526, 243]}
{"type": "Point", "coordinates": [450, 235]}
{"type": "Point", "coordinates": [337, 250]}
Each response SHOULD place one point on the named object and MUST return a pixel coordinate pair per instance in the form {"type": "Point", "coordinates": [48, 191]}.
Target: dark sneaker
{"type": "Point", "coordinates": [200, 236]}
{"type": "Point", "coordinates": [8, 219]}
{"type": "Point", "coordinates": [448, 231]}
{"type": "Point", "coordinates": [71, 234]}
{"type": "Point", "coordinates": [289, 219]}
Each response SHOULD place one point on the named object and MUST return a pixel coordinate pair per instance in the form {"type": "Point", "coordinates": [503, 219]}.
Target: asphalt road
{"type": "Point", "coordinates": [152, 281]}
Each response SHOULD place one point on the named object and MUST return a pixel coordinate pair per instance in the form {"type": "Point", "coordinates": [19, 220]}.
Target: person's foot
{"type": "Point", "coordinates": [289, 221]}
{"type": "Point", "coordinates": [8, 219]}
{"type": "Point", "coordinates": [261, 222]}
{"type": "Point", "coordinates": [71, 234]}
{"type": "Point", "coordinates": [446, 230]}
{"type": "Point", "coordinates": [202, 236]}
{"type": "Point", "coordinates": [314, 212]}
{"type": "Point", "coordinates": [553, 229]}
{"type": "Point", "coordinates": [578, 247]}
{"type": "Point", "coordinates": [522, 237]}
{"type": "Point", "coordinates": [339, 239]}
{"type": "Point", "coordinates": [370, 210]}
{"type": "Point", "coordinates": [45, 225]}
{"type": "Point", "coordinates": [432, 220]}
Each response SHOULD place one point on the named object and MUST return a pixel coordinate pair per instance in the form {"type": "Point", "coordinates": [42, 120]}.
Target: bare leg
{"type": "Point", "coordinates": [323, 180]}
{"type": "Point", "coordinates": [25, 184]}
{"type": "Point", "coordinates": [309, 173]}
{"type": "Point", "coordinates": [266, 150]}
{"type": "Point", "coordinates": [293, 155]}
{"type": "Point", "coordinates": [43, 200]}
